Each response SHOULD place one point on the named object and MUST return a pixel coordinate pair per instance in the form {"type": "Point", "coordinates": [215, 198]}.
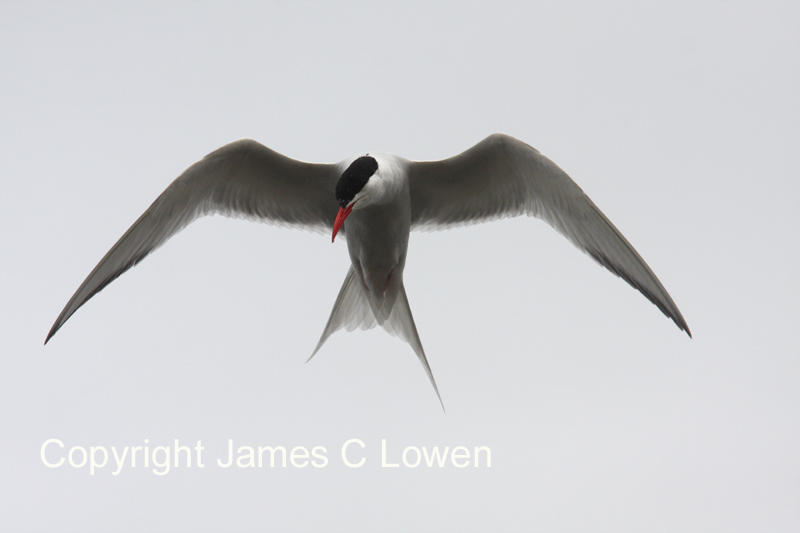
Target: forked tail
{"type": "Point", "coordinates": [353, 310]}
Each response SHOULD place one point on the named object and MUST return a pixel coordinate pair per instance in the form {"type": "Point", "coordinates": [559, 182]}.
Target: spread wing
{"type": "Point", "coordinates": [501, 177]}
{"type": "Point", "coordinates": [241, 179]}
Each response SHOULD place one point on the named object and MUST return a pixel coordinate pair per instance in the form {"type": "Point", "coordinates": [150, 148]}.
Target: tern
{"type": "Point", "coordinates": [375, 200]}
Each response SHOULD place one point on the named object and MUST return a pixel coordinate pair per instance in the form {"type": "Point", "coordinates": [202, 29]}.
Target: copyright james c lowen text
{"type": "Point", "coordinates": [354, 453]}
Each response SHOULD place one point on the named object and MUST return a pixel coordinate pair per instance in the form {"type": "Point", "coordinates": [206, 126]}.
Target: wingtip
{"type": "Point", "coordinates": [682, 325]}
{"type": "Point", "coordinates": [50, 334]}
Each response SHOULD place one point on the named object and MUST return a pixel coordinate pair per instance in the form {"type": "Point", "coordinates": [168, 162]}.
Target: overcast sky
{"type": "Point", "coordinates": [680, 120]}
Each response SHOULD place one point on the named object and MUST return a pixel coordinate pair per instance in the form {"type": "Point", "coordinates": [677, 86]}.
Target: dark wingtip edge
{"type": "Point", "coordinates": [681, 323]}
{"type": "Point", "coordinates": [672, 313]}
{"type": "Point", "coordinates": [50, 334]}
{"type": "Point", "coordinates": [56, 326]}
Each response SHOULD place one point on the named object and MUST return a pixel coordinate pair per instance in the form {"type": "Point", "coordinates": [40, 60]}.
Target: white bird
{"type": "Point", "coordinates": [381, 197]}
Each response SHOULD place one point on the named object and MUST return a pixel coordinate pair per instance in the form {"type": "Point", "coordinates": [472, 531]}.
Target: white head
{"type": "Point", "coordinates": [367, 180]}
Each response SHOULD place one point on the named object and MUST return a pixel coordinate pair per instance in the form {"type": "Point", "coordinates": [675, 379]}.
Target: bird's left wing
{"type": "Point", "coordinates": [241, 179]}
{"type": "Point", "coordinates": [501, 177]}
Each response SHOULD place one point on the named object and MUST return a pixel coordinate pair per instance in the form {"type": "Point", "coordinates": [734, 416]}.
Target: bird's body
{"type": "Point", "coordinates": [382, 197]}
{"type": "Point", "coordinates": [377, 235]}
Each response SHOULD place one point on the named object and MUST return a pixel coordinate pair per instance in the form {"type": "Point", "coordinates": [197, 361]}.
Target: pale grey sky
{"type": "Point", "coordinates": [680, 120]}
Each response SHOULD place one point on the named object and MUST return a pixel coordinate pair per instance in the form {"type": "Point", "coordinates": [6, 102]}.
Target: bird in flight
{"type": "Point", "coordinates": [375, 200]}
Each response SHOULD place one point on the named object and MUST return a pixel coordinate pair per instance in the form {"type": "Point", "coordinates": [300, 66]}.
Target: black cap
{"type": "Point", "coordinates": [354, 178]}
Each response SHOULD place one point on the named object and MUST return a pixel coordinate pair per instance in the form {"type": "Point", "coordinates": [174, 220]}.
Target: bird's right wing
{"type": "Point", "coordinates": [502, 177]}
{"type": "Point", "coordinates": [241, 179]}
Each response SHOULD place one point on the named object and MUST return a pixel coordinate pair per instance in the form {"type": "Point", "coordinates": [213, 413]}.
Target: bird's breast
{"type": "Point", "coordinates": [377, 239]}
